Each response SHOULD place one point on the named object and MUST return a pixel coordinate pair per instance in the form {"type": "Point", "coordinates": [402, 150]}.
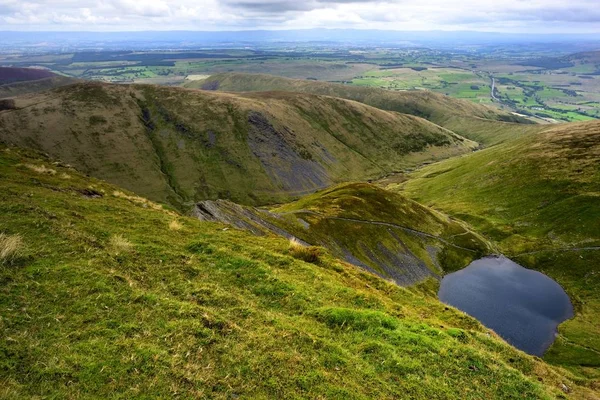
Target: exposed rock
{"type": "Point", "coordinates": [291, 167]}
{"type": "Point", "coordinates": [393, 260]}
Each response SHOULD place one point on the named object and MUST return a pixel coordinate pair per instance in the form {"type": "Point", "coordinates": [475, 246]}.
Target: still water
{"type": "Point", "coordinates": [521, 305]}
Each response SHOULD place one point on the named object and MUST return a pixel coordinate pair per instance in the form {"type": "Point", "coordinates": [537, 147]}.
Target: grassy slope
{"type": "Point", "coordinates": [333, 215]}
{"type": "Point", "coordinates": [177, 145]}
{"type": "Point", "coordinates": [537, 194]}
{"type": "Point", "coordinates": [474, 121]}
{"type": "Point", "coordinates": [39, 85]}
{"type": "Point", "coordinates": [112, 299]}
{"type": "Point", "coordinates": [375, 229]}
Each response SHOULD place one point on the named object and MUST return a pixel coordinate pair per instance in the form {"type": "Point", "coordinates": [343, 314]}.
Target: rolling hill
{"type": "Point", "coordinates": [180, 146]}
{"type": "Point", "coordinates": [108, 295]}
{"type": "Point", "coordinates": [477, 122]}
{"type": "Point", "coordinates": [39, 85]}
{"type": "Point", "coordinates": [537, 198]}
{"type": "Point", "coordinates": [19, 81]}
{"type": "Point", "coordinates": [377, 230]}
{"type": "Point", "coordinates": [11, 74]}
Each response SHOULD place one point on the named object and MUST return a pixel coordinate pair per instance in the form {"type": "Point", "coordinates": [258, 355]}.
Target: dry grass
{"type": "Point", "coordinates": [41, 169]}
{"type": "Point", "coordinates": [306, 253]}
{"type": "Point", "coordinates": [175, 225]}
{"type": "Point", "coordinates": [120, 244]}
{"type": "Point", "coordinates": [141, 201]}
{"type": "Point", "coordinates": [11, 248]}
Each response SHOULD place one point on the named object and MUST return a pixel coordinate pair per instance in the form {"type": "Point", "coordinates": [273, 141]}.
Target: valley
{"type": "Point", "coordinates": [300, 226]}
{"type": "Point", "coordinates": [545, 83]}
{"type": "Point", "coordinates": [180, 146]}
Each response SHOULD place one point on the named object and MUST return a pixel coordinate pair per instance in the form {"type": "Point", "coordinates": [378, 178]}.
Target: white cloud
{"type": "Point", "coordinates": [514, 15]}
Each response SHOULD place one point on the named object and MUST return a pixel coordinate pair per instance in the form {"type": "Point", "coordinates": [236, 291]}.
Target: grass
{"type": "Point", "coordinates": [306, 253]}
{"type": "Point", "coordinates": [179, 146]}
{"type": "Point", "coordinates": [373, 225]}
{"type": "Point", "coordinates": [11, 248]}
{"type": "Point", "coordinates": [204, 312]}
{"type": "Point", "coordinates": [118, 244]}
{"type": "Point", "coordinates": [41, 169]}
{"type": "Point", "coordinates": [450, 81]}
{"type": "Point", "coordinates": [175, 225]}
{"type": "Point", "coordinates": [463, 115]}
{"type": "Point", "coordinates": [536, 198]}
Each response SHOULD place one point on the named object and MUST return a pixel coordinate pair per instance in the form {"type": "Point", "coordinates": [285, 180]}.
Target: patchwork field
{"type": "Point", "coordinates": [546, 89]}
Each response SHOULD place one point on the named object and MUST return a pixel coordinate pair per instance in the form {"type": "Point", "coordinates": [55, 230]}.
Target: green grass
{"type": "Point", "coordinates": [113, 300]}
{"type": "Point", "coordinates": [375, 229]}
{"type": "Point", "coordinates": [537, 198]}
{"type": "Point", "coordinates": [335, 216]}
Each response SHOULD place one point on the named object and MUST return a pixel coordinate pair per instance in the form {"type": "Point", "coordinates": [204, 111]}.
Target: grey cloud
{"type": "Point", "coordinates": [272, 6]}
{"type": "Point", "coordinates": [591, 14]}
{"type": "Point", "coordinates": [284, 6]}
{"type": "Point", "coordinates": [379, 14]}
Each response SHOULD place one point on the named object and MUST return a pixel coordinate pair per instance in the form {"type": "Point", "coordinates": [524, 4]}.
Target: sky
{"type": "Point", "coordinates": [528, 16]}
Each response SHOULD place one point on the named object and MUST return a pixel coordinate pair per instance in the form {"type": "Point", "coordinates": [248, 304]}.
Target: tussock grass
{"type": "Point", "coordinates": [119, 244]}
{"type": "Point", "coordinates": [174, 225]}
{"type": "Point", "coordinates": [41, 169]}
{"type": "Point", "coordinates": [140, 201]}
{"type": "Point", "coordinates": [306, 253]}
{"type": "Point", "coordinates": [11, 248]}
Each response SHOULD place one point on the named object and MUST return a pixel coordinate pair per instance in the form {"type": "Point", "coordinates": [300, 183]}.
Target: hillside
{"type": "Point", "coordinates": [377, 230]}
{"type": "Point", "coordinates": [180, 146]}
{"type": "Point", "coordinates": [537, 198]}
{"type": "Point", "coordinates": [12, 74]}
{"type": "Point", "coordinates": [34, 86]}
{"type": "Point", "coordinates": [473, 121]}
{"type": "Point", "coordinates": [110, 295]}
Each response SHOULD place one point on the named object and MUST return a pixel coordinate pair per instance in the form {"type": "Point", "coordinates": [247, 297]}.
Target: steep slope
{"type": "Point", "coordinates": [111, 296]}
{"type": "Point", "coordinates": [372, 228]}
{"type": "Point", "coordinates": [180, 146]}
{"type": "Point", "coordinates": [538, 198]}
{"type": "Point", "coordinates": [473, 121]}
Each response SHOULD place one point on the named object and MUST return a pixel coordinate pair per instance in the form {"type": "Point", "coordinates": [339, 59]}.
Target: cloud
{"type": "Point", "coordinates": [514, 15]}
{"type": "Point", "coordinates": [146, 8]}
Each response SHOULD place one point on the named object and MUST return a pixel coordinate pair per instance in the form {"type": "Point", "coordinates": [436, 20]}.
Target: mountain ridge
{"type": "Point", "coordinates": [179, 146]}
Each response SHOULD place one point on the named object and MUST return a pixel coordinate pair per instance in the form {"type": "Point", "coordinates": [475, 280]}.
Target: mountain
{"type": "Point", "coordinates": [106, 294]}
{"type": "Point", "coordinates": [477, 122]}
{"type": "Point", "coordinates": [537, 198]}
{"type": "Point", "coordinates": [380, 231]}
{"type": "Point", "coordinates": [179, 146]}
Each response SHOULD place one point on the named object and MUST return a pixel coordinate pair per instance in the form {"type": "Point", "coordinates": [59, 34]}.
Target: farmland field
{"type": "Point", "coordinates": [547, 90]}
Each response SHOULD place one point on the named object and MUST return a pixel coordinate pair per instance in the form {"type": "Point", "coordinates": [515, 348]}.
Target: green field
{"type": "Point", "coordinates": [548, 91]}
{"type": "Point", "coordinates": [452, 82]}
